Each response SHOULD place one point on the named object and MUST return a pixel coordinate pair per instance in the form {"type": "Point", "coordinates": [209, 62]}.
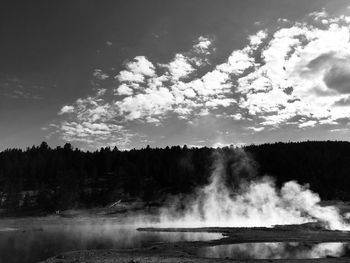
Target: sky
{"type": "Point", "coordinates": [134, 73]}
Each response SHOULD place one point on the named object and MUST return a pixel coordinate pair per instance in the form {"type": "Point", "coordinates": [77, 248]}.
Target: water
{"type": "Point", "coordinates": [25, 241]}
{"type": "Point", "coordinates": [39, 241]}
{"type": "Point", "coordinates": [277, 250]}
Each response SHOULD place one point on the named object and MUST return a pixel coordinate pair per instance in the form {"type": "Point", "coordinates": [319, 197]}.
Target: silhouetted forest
{"type": "Point", "coordinates": [64, 177]}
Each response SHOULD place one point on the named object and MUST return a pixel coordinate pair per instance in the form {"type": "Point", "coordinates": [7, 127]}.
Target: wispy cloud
{"type": "Point", "coordinates": [15, 88]}
{"type": "Point", "coordinates": [296, 74]}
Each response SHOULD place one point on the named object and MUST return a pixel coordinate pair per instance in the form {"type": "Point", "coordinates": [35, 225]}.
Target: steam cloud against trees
{"type": "Point", "coordinates": [65, 177]}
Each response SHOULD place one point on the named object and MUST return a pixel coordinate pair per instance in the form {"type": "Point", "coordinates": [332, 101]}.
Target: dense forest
{"type": "Point", "coordinates": [65, 177]}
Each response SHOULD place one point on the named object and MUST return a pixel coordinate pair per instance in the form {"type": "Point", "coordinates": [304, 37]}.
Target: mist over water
{"type": "Point", "coordinates": [35, 241]}
{"type": "Point", "coordinates": [235, 197]}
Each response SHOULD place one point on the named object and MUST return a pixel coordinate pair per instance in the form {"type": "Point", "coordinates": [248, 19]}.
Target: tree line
{"type": "Point", "coordinates": [66, 177]}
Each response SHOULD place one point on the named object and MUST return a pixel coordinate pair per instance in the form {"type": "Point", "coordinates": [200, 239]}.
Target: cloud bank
{"type": "Point", "coordinates": [295, 75]}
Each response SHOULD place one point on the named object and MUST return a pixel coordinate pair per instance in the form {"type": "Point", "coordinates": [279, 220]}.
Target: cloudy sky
{"type": "Point", "coordinates": [158, 72]}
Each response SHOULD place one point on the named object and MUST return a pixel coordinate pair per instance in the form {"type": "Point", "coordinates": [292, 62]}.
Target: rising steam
{"type": "Point", "coordinates": [234, 197]}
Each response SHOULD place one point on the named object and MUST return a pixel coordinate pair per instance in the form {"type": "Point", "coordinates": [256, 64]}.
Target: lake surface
{"type": "Point", "coordinates": [37, 241]}
{"type": "Point", "coordinates": [23, 241]}
{"type": "Point", "coordinates": [277, 250]}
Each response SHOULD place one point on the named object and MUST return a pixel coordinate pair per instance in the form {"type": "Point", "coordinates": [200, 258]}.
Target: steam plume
{"type": "Point", "coordinates": [234, 197]}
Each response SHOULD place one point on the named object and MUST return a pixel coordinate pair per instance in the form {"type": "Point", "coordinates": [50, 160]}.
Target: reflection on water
{"type": "Point", "coordinates": [39, 243]}
{"type": "Point", "coordinates": [276, 250]}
